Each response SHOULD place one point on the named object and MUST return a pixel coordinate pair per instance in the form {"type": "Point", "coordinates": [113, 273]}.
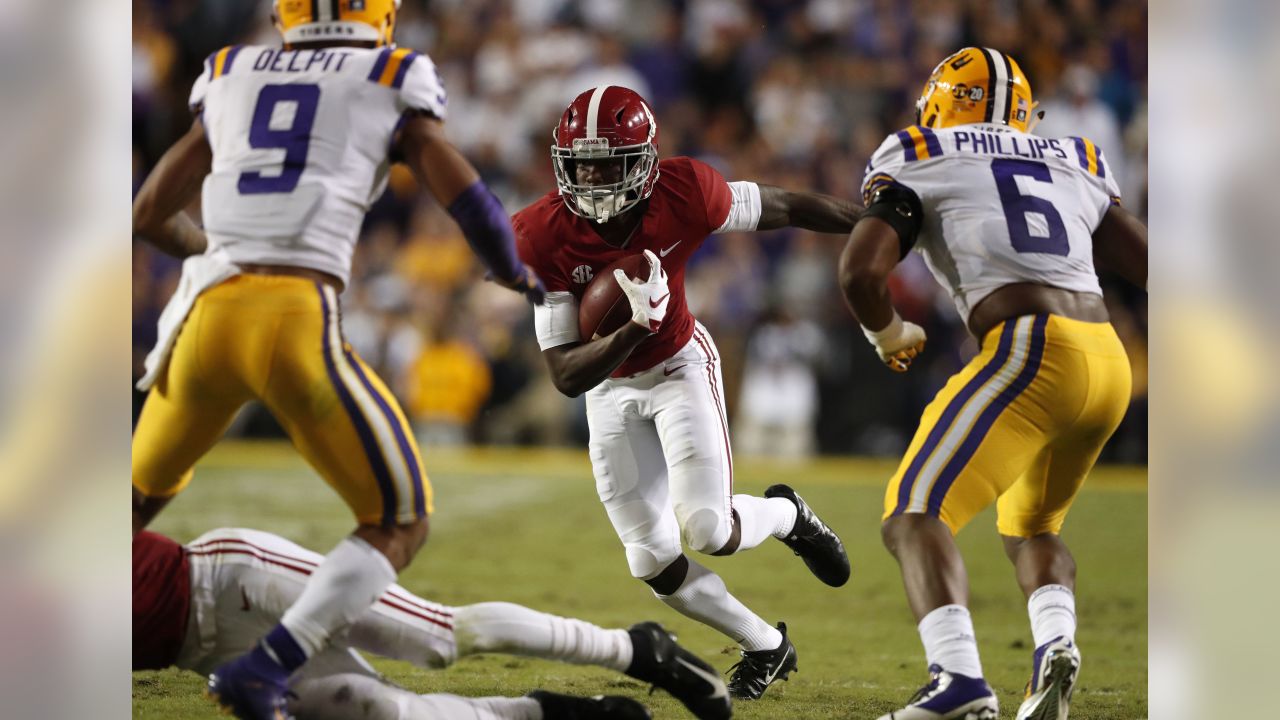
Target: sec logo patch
{"type": "Point", "coordinates": [583, 274]}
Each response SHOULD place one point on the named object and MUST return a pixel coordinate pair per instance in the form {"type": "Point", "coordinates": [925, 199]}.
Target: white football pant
{"type": "Point", "coordinates": [242, 581]}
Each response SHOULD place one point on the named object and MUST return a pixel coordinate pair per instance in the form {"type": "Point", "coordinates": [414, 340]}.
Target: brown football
{"type": "Point", "coordinates": [604, 307]}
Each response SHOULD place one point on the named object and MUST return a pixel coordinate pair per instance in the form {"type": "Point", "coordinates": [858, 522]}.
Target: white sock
{"type": "Point", "coordinates": [1053, 613]}
{"type": "Point", "coordinates": [947, 634]}
{"type": "Point", "coordinates": [345, 585]}
{"type": "Point", "coordinates": [500, 627]}
{"type": "Point", "coordinates": [762, 518]}
{"type": "Point", "coordinates": [339, 697]}
{"type": "Point", "coordinates": [704, 597]}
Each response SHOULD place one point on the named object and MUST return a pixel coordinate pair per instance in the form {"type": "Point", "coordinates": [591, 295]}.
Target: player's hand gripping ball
{"type": "Point", "coordinates": [633, 289]}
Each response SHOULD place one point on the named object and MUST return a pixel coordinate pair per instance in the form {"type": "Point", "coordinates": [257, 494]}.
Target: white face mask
{"type": "Point", "coordinates": [604, 202]}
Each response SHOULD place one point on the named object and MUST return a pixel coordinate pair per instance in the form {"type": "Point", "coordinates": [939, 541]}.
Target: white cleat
{"type": "Point", "coordinates": [1056, 666]}
{"type": "Point", "coordinates": [950, 697]}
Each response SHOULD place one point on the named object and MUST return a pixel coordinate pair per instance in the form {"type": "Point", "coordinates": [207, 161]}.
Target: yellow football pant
{"type": "Point", "coordinates": [1024, 422]}
{"type": "Point", "coordinates": [278, 339]}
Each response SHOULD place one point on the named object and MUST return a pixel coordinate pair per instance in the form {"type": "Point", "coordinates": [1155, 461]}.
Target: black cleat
{"type": "Point", "coordinates": [811, 539]}
{"type": "Point", "coordinates": [757, 670]}
{"type": "Point", "coordinates": [601, 707]}
{"type": "Point", "coordinates": [657, 659]}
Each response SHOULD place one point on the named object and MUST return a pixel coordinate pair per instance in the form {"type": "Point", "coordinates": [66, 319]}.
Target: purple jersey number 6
{"type": "Point", "coordinates": [293, 139]}
{"type": "Point", "coordinates": [1017, 208]}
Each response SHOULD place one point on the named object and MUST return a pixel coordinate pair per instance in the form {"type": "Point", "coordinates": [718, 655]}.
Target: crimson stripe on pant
{"type": "Point", "coordinates": [305, 567]}
{"type": "Point", "coordinates": [712, 359]}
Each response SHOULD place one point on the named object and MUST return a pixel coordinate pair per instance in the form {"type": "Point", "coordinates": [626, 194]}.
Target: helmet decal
{"type": "Point", "coordinates": [976, 85]}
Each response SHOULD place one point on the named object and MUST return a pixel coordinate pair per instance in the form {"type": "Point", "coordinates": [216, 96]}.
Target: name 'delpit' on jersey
{"type": "Point", "coordinates": [274, 60]}
{"type": "Point", "coordinates": [990, 143]}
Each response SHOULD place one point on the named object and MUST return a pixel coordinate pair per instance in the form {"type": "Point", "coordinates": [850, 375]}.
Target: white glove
{"type": "Point", "coordinates": [898, 343]}
{"type": "Point", "coordinates": [648, 298]}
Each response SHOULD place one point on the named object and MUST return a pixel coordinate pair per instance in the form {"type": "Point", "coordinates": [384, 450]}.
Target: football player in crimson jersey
{"type": "Point", "coordinates": [655, 401]}
{"type": "Point", "coordinates": [197, 605]}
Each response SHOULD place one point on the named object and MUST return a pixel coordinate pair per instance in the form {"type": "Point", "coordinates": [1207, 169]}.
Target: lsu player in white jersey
{"type": "Point", "coordinates": [290, 147]}
{"type": "Point", "coordinates": [1011, 225]}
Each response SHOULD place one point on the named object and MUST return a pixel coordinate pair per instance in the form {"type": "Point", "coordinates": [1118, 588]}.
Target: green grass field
{"type": "Point", "coordinates": [526, 527]}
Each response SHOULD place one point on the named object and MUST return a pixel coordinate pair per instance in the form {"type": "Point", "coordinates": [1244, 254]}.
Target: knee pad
{"type": "Point", "coordinates": [646, 561]}
{"type": "Point", "coordinates": [705, 530]}
{"type": "Point", "coordinates": [649, 535]}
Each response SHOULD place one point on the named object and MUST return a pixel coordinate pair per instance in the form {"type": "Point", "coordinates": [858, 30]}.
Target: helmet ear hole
{"type": "Point", "coordinates": [617, 117]}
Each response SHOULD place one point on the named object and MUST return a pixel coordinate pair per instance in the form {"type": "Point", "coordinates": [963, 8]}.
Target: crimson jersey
{"type": "Point", "coordinates": [690, 201]}
{"type": "Point", "coordinates": [161, 599]}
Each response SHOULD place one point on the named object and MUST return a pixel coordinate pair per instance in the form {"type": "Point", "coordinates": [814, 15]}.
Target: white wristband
{"type": "Point", "coordinates": [887, 334]}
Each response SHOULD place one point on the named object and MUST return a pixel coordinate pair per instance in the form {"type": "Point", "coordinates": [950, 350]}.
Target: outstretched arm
{"type": "Point", "coordinates": [157, 209]}
{"type": "Point", "coordinates": [1120, 245]}
{"type": "Point", "coordinates": [450, 177]}
{"type": "Point", "coordinates": [810, 211]}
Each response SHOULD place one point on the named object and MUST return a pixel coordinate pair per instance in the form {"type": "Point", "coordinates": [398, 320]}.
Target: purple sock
{"type": "Point", "coordinates": [280, 649]}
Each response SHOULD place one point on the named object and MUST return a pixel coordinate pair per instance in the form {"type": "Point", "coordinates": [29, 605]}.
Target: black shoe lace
{"type": "Point", "coordinates": [747, 665]}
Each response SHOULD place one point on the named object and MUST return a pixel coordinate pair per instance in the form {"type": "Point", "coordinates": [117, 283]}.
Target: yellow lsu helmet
{"type": "Point", "coordinates": [976, 85]}
{"type": "Point", "coordinates": [341, 20]}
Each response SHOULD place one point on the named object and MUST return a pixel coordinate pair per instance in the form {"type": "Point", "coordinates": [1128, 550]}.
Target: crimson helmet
{"type": "Point", "coordinates": [607, 122]}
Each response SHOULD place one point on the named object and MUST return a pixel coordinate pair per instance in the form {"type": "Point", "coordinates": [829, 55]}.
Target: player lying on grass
{"type": "Point", "coordinates": [195, 606]}
{"type": "Point", "coordinates": [1011, 224]}
{"type": "Point", "coordinates": [655, 398]}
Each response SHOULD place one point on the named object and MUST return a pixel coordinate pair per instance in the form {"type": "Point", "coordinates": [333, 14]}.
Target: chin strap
{"type": "Point", "coordinates": [608, 206]}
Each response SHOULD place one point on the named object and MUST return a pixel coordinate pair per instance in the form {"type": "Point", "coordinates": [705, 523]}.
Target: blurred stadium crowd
{"type": "Point", "coordinates": [794, 93]}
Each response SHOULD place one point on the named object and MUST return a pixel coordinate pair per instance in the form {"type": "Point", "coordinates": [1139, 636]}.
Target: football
{"type": "Point", "coordinates": [604, 307]}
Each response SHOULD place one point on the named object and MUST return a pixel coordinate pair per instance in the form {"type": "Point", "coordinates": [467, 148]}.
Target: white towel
{"type": "Point", "coordinates": [199, 273]}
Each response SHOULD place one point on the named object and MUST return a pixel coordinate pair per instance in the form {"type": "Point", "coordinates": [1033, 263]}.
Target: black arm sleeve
{"type": "Point", "coordinates": [899, 206]}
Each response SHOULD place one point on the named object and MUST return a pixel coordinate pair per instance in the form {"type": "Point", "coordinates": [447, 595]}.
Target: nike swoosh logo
{"type": "Point", "coordinates": [656, 303]}
{"type": "Point", "coordinates": [663, 253]}
{"type": "Point", "coordinates": [769, 679]}
{"type": "Point", "coordinates": [245, 599]}
{"type": "Point", "coordinates": [668, 371]}
{"type": "Point", "coordinates": [714, 680]}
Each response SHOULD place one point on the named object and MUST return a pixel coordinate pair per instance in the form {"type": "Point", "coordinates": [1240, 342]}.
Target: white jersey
{"type": "Point", "coordinates": [300, 141]}
{"type": "Point", "coordinates": [1000, 206]}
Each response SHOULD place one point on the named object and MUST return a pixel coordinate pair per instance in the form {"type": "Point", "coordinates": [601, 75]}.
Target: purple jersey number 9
{"type": "Point", "coordinates": [293, 139]}
{"type": "Point", "coordinates": [1017, 208]}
